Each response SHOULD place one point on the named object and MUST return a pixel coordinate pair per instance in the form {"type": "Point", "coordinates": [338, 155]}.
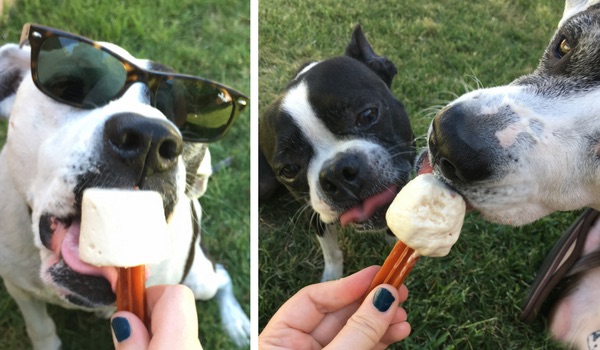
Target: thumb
{"type": "Point", "coordinates": [366, 327]}
{"type": "Point", "coordinates": [128, 332]}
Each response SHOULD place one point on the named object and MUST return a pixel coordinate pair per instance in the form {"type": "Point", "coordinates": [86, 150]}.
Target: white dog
{"type": "Point", "coordinates": [56, 148]}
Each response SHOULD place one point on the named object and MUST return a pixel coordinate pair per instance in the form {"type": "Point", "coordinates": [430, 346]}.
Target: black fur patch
{"type": "Point", "coordinates": [9, 83]}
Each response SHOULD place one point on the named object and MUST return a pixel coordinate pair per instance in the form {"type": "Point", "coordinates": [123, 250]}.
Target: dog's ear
{"type": "Point", "coordinates": [267, 182]}
{"type": "Point", "coordinates": [360, 49]}
{"type": "Point", "coordinates": [573, 7]}
{"type": "Point", "coordinates": [198, 168]}
{"type": "Point", "coordinates": [14, 64]}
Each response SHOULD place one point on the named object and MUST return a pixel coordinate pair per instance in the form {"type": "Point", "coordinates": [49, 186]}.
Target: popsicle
{"type": "Point", "coordinates": [126, 229]}
{"type": "Point", "coordinates": [426, 217]}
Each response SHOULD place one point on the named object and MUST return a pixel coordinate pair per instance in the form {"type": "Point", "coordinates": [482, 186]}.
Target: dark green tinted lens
{"type": "Point", "coordinates": [202, 111]}
{"type": "Point", "coordinates": [79, 73]}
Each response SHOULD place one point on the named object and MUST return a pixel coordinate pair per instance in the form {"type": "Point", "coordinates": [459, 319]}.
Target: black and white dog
{"type": "Point", "coordinates": [52, 153]}
{"type": "Point", "coordinates": [339, 139]}
{"type": "Point", "coordinates": [522, 151]}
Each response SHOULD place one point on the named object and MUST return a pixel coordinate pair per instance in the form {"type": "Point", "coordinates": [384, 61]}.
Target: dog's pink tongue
{"type": "Point", "coordinates": [425, 167]}
{"type": "Point", "coordinates": [70, 254]}
{"type": "Point", "coordinates": [365, 210]}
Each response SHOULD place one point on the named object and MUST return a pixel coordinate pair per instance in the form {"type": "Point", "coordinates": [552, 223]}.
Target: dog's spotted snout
{"type": "Point", "coordinates": [150, 145]}
{"type": "Point", "coordinates": [457, 149]}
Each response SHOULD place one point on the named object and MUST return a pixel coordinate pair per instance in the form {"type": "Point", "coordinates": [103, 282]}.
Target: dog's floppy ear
{"type": "Point", "coordinates": [14, 64]}
{"type": "Point", "coordinates": [575, 6]}
{"type": "Point", "coordinates": [267, 138]}
{"type": "Point", "coordinates": [198, 168]}
{"type": "Point", "coordinates": [267, 182]}
{"type": "Point", "coordinates": [360, 49]}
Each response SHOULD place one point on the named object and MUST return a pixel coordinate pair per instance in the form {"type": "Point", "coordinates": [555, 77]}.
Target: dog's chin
{"type": "Point", "coordinates": [87, 291]}
{"type": "Point", "coordinates": [375, 223]}
{"type": "Point", "coordinates": [77, 282]}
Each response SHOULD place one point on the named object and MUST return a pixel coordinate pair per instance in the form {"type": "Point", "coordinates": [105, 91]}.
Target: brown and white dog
{"type": "Point", "coordinates": [52, 153]}
{"type": "Point", "coordinates": [522, 151]}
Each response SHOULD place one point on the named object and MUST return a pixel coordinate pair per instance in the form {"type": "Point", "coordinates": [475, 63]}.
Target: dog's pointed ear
{"type": "Point", "coordinates": [360, 49]}
{"type": "Point", "coordinates": [198, 168]}
{"type": "Point", "coordinates": [14, 64]}
{"type": "Point", "coordinates": [573, 7]}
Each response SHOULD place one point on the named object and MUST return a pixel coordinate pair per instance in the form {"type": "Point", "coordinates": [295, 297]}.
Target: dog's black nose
{"type": "Point", "coordinates": [150, 145]}
{"type": "Point", "coordinates": [457, 148]}
{"type": "Point", "coordinates": [341, 177]}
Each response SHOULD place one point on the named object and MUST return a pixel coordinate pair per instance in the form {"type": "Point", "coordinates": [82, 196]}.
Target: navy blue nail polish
{"type": "Point", "coordinates": [121, 328]}
{"type": "Point", "coordinates": [383, 299]}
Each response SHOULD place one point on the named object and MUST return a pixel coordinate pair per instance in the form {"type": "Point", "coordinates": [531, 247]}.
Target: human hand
{"type": "Point", "coordinates": [330, 315]}
{"type": "Point", "coordinates": [173, 322]}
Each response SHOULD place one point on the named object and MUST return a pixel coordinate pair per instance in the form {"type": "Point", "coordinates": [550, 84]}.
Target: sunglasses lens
{"type": "Point", "coordinates": [78, 73]}
{"type": "Point", "coordinates": [202, 111]}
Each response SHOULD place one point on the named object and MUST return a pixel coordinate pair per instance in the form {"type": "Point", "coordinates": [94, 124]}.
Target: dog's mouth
{"type": "Point", "coordinates": [81, 283]}
{"type": "Point", "coordinates": [369, 207]}
{"type": "Point", "coordinates": [64, 243]}
{"type": "Point", "coordinates": [86, 285]}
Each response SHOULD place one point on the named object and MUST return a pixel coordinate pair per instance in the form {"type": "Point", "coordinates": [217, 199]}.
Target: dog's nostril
{"type": "Point", "coordinates": [169, 149]}
{"type": "Point", "coordinates": [349, 173]}
{"type": "Point", "coordinates": [131, 141]}
{"type": "Point", "coordinates": [328, 186]}
{"type": "Point", "coordinates": [126, 140]}
{"type": "Point", "coordinates": [449, 170]}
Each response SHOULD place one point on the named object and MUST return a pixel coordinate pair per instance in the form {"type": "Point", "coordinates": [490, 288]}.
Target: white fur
{"type": "Point", "coordinates": [306, 69]}
{"type": "Point", "coordinates": [573, 7]}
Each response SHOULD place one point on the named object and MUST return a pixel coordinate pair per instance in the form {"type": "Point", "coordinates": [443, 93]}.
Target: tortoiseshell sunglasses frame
{"type": "Point", "coordinates": [35, 35]}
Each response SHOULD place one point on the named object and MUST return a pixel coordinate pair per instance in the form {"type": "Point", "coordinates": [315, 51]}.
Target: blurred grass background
{"type": "Point", "coordinates": [470, 299]}
{"type": "Point", "coordinates": [209, 38]}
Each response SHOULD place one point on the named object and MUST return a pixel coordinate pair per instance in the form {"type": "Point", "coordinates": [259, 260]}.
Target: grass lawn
{"type": "Point", "coordinates": [470, 299]}
{"type": "Point", "coordinates": [209, 38]}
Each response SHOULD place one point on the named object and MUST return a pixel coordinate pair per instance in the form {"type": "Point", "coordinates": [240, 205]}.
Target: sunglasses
{"type": "Point", "coordinates": [84, 74]}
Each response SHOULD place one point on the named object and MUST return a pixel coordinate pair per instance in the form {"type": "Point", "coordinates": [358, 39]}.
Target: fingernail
{"type": "Point", "coordinates": [121, 328]}
{"type": "Point", "coordinates": [383, 299]}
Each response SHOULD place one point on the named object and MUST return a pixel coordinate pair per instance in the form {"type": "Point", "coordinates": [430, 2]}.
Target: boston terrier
{"type": "Point", "coordinates": [337, 138]}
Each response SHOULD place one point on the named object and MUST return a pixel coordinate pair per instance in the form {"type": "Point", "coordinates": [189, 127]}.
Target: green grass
{"type": "Point", "coordinates": [470, 299]}
{"type": "Point", "coordinates": [206, 38]}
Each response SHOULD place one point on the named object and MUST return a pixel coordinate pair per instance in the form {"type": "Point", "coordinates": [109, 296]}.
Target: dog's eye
{"type": "Point", "coordinates": [367, 117]}
{"type": "Point", "coordinates": [563, 48]}
{"type": "Point", "coordinates": [289, 171]}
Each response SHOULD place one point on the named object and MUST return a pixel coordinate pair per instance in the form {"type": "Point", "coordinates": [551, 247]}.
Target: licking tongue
{"type": "Point", "coordinates": [365, 210]}
{"type": "Point", "coordinates": [70, 254]}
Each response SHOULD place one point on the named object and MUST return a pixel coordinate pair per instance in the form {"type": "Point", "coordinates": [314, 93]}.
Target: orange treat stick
{"type": "Point", "coordinates": [396, 266]}
{"type": "Point", "coordinates": [130, 291]}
